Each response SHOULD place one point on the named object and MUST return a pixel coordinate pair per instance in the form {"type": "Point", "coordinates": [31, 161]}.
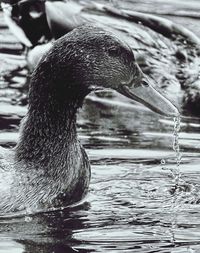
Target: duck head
{"type": "Point", "coordinates": [91, 58]}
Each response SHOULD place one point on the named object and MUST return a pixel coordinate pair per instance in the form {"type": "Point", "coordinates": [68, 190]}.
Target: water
{"type": "Point", "coordinates": [144, 192]}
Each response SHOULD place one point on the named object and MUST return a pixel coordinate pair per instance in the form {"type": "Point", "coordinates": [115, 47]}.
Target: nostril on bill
{"type": "Point", "coordinates": [144, 83]}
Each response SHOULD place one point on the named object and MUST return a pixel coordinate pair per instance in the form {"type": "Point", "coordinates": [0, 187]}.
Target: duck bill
{"type": "Point", "coordinates": [150, 97]}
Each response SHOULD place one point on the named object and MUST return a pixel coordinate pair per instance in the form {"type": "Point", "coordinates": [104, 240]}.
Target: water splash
{"type": "Point", "coordinates": [174, 205]}
{"type": "Point", "coordinates": [175, 171]}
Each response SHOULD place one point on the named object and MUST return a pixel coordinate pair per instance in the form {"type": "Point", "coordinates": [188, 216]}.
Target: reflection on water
{"type": "Point", "coordinates": [135, 203]}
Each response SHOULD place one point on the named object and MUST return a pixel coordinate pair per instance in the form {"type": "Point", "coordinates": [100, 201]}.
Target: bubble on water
{"type": "Point", "coordinates": [28, 218]}
{"type": "Point", "coordinates": [163, 161]}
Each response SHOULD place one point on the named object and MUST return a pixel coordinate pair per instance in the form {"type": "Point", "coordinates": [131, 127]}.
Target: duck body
{"type": "Point", "coordinates": [49, 167]}
{"type": "Point", "coordinates": [41, 185]}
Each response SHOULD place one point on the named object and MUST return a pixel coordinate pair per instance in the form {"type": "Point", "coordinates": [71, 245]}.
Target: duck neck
{"type": "Point", "coordinates": [45, 134]}
{"type": "Point", "coordinates": [49, 128]}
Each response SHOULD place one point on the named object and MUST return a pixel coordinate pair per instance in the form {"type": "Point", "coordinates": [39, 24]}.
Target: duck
{"type": "Point", "coordinates": [48, 167]}
{"type": "Point", "coordinates": [167, 52]}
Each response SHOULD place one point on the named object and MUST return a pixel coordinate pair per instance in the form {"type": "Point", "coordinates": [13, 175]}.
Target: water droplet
{"type": "Point", "coordinates": [163, 161]}
{"type": "Point", "coordinates": [176, 146]}
{"type": "Point", "coordinates": [28, 219]}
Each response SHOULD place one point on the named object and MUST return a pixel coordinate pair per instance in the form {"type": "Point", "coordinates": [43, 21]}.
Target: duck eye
{"type": "Point", "coordinates": [113, 51]}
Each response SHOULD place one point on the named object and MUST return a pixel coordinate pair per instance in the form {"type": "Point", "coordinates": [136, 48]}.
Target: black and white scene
{"type": "Point", "coordinates": [99, 126]}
